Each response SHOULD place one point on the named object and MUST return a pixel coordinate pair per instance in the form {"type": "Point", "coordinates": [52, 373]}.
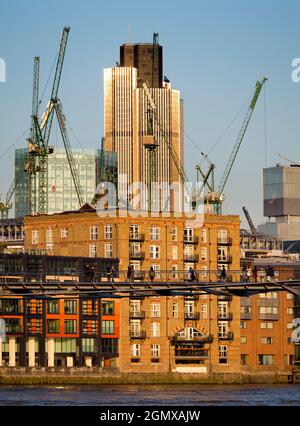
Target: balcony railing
{"type": "Point", "coordinates": [271, 317]}
{"type": "Point", "coordinates": [225, 316]}
{"type": "Point", "coordinates": [137, 314]}
{"type": "Point", "coordinates": [226, 336]}
{"type": "Point", "coordinates": [246, 315]}
{"type": "Point", "coordinates": [136, 236]}
{"type": "Point", "coordinates": [192, 316]}
{"type": "Point", "coordinates": [226, 297]}
{"type": "Point", "coordinates": [139, 335]}
{"type": "Point", "coordinates": [224, 241]}
{"type": "Point", "coordinates": [225, 259]}
{"type": "Point", "coordinates": [194, 338]}
{"type": "Point", "coordinates": [191, 257]}
{"type": "Point", "coordinates": [139, 255]}
{"type": "Point", "coordinates": [190, 239]}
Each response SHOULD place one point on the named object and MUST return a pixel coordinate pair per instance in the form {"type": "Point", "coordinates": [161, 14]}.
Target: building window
{"type": "Point", "coordinates": [188, 235]}
{"type": "Point", "coordinates": [243, 339]}
{"type": "Point", "coordinates": [246, 309]}
{"type": "Point", "coordinates": [243, 324]}
{"type": "Point", "coordinates": [93, 232]}
{"type": "Point", "coordinates": [223, 350]}
{"type": "Point", "coordinates": [134, 231]}
{"type": "Point", "coordinates": [155, 351]}
{"type": "Point", "coordinates": [88, 345]}
{"type": "Point", "coordinates": [154, 252]}
{"type": "Point", "coordinates": [174, 233]}
{"type": "Point", "coordinates": [156, 268]}
{"type": "Point", "coordinates": [108, 250]}
{"type": "Point", "coordinates": [268, 310]}
{"type": "Point", "coordinates": [53, 326]}
{"type": "Point", "coordinates": [203, 253]}
{"type": "Point", "coordinates": [203, 235]}
{"type": "Point", "coordinates": [175, 271]}
{"type": "Point", "coordinates": [70, 326]}
{"type": "Point", "coordinates": [89, 307]}
{"type": "Point", "coordinates": [289, 325]}
{"type": "Point", "coordinates": [89, 327]}
{"type": "Point", "coordinates": [155, 329]}
{"type": "Point", "coordinates": [265, 359]}
{"type": "Point", "coordinates": [223, 328]}
{"type": "Point", "coordinates": [93, 250]}
{"type": "Point", "coordinates": [269, 295]}
{"type": "Point", "coordinates": [289, 296]}
{"type": "Point", "coordinates": [268, 325]}
{"type": "Point", "coordinates": [70, 307]}
{"type": "Point", "coordinates": [108, 327]}
{"type": "Point", "coordinates": [49, 235]}
{"type": "Point", "coordinates": [174, 252]}
{"type": "Point", "coordinates": [155, 310]}
{"type": "Point", "coordinates": [244, 359]}
{"type": "Point", "coordinates": [290, 311]}
{"type": "Point", "coordinates": [64, 232]}
{"type": "Point", "coordinates": [135, 328]}
{"type": "Point", "coordinates": [108, 308]}
{"type": "Point", "coordinates": [35, 236]}
{"type": "Point", "coordinates": [288, 359]}
{"type": "Point", "coordinates": [175, 310]}
{"type": "Point", "coordinates": [135, 350]}
{"type": "Point", "coordinates": [222, 235]}
{"type": "Point", "coordinates": [154, 233]}
{"type": "Point", "coordinates": [204, 310]}
{"type": "Point", "coordinates": [108, 232]}
{"type": "Point", "coordinates": [267, 340]}
{"type": "Point", "coordinates": [53, 307]}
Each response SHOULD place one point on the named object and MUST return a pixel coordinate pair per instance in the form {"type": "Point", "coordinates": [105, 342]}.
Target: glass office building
{"type": "Point", "coordinates": [61, 191]}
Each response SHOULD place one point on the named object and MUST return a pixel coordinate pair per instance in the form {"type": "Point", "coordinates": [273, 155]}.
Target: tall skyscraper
{"type": "Point", "coordinates": [127, 116]}
{"type": "Point", "coordinates": [61, 191]}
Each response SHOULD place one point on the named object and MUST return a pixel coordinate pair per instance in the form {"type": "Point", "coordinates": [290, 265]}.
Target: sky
{"type": "Point", "coordinates": [214, 52]}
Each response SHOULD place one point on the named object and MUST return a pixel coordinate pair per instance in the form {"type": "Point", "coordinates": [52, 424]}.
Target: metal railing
{"type": "Point", "coordinates": [192, 316]}
{"type": "Point", "coordinates": [226, 336]}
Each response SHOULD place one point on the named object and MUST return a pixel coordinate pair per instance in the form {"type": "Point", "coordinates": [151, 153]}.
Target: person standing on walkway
{"type": "Point", "coordinates": [223, 274]}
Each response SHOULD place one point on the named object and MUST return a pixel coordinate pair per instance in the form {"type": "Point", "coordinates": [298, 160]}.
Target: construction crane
{"type": "Point", "coordinates": [6, 205]}
{"type": "Point", "coordinates": [62, 125]}
{"type": "Point", "coordinates": [290, 161]}
{"type": "Point", "coordinates": [39, 148]}
{"type": "Point", "coordinates": [249, 220]}
{"type": "Point", "coordinates": [173, 154]}
{"type": "Point", "coordinates": [216, 197]}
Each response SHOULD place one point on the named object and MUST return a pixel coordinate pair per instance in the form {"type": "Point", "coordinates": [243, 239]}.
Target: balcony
{"type": "Point", "coordinates": [139, 255]}
{"type": "Point", "coordinates": [187, 239]}
{"type": "Point", "coordinates": [137, 314]}
{"type": "Point", "coordinates": [224, 241]}
{"type": "Point", "coordinates": [226, 297]}
{"type": "Point", "coordinates": [136, 236]}
{"type": "Point", "coordinates": [191, 258]}
{"type": "Point", "coordinates": [225, 259]}
{"type": "Point", "coordinates": [191, 297]}
{"type": "Point", "coordinates": [182, 354]}
{"type": "Point", "coordinates": [195, 338]}
{"type": "Point", "coordinates": [195, 316]}
{"type": "Point", "coordinates": [226, 336]}
{"type": "Point", "coordinates": [246, 315]}
{"type": "Point", "coordinates": [137, 335]}
{"type": "Point", "coordinates": [271, 317]}
{"type": "Point", "coordinates": [225, 316]}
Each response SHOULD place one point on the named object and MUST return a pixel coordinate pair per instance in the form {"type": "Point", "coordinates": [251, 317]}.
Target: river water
{"type": "Point", "coordinates": [126, 395]}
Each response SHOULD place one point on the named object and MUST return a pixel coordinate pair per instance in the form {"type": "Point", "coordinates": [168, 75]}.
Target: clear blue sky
{"type": "Point", "coordinates": [214, 51]}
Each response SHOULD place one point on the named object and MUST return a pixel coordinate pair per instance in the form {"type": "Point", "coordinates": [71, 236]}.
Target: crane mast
{"type": "Point", "coordinates": [232, 157]}
{"type": "Point", "coordinates": [41, 149]}
{"type": "Point", "coordinates": [62, 124]}
{"type": "Point", "coordinates": [249, 220]}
